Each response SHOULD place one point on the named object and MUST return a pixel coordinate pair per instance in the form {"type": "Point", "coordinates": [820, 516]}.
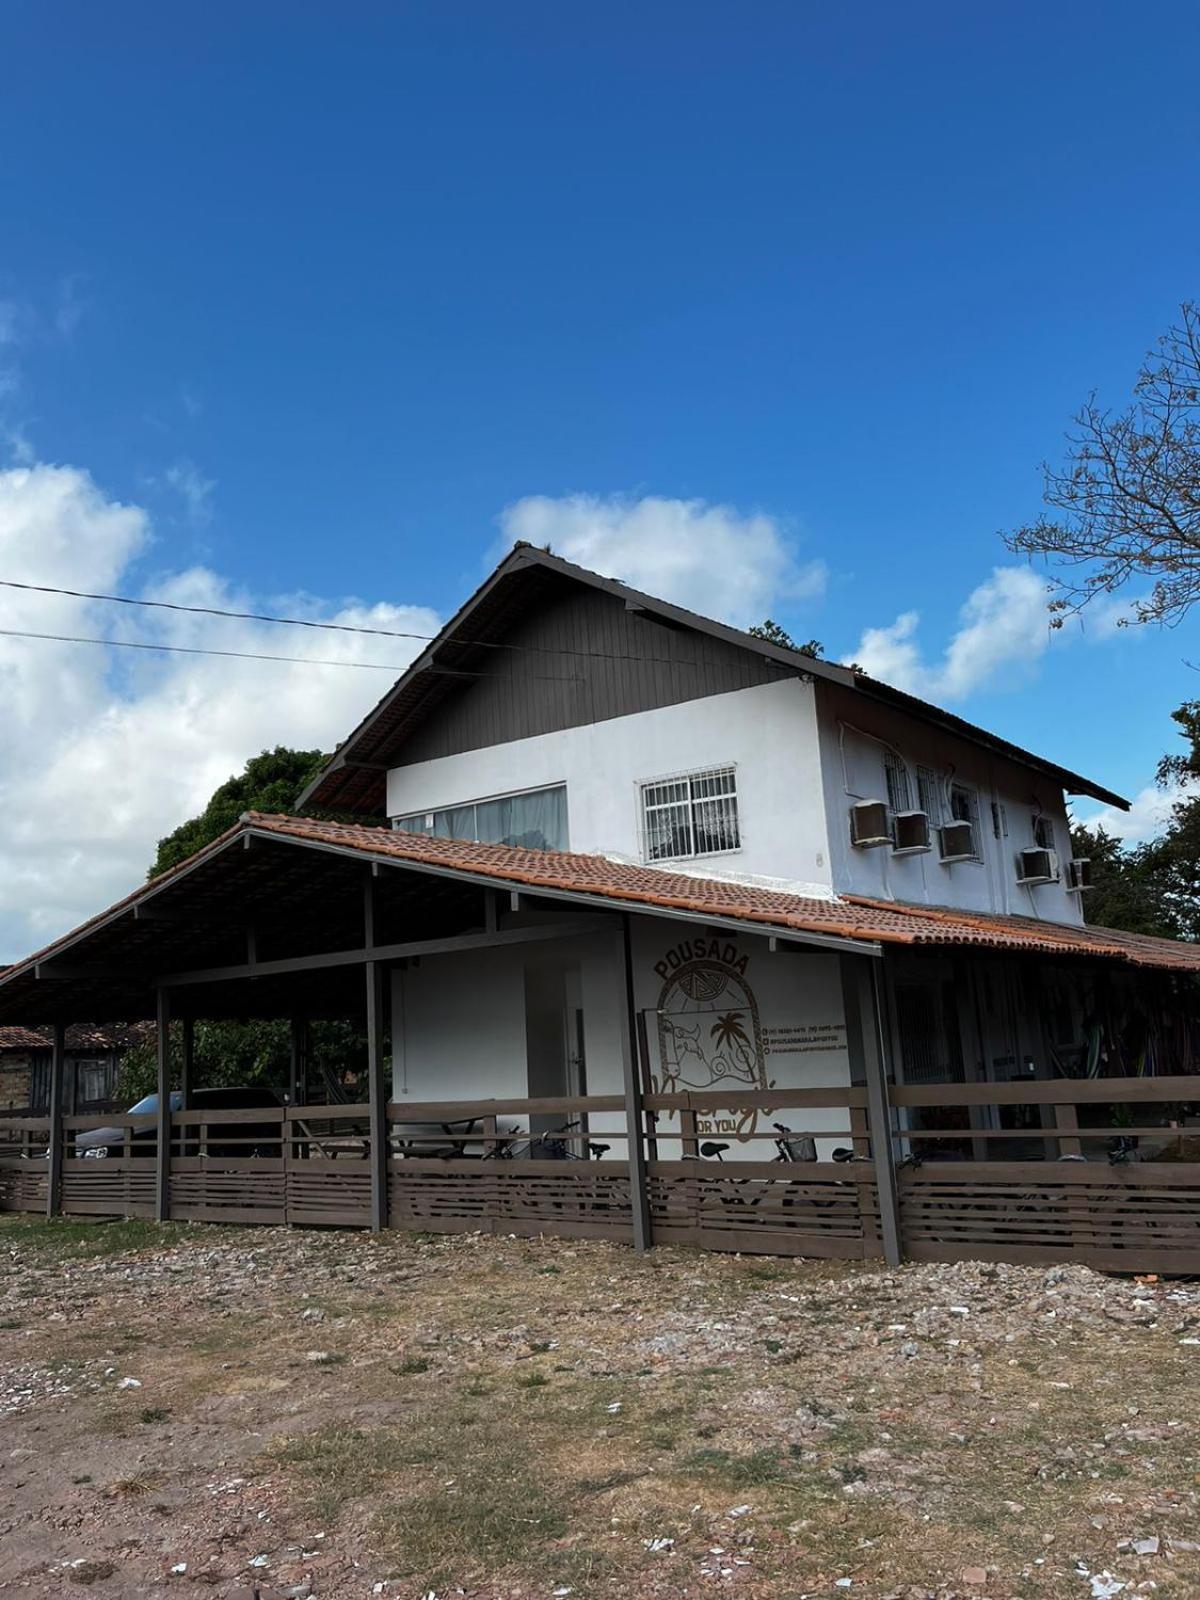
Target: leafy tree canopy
{"type": "Point", "coordinates": [253, 1052]}
{"type": "Point", "coordinates": [270, 782]}
{"type": "Point", "coordinates": [772, 633]}
{"type": "Point", "coordinates": [1153, 887]}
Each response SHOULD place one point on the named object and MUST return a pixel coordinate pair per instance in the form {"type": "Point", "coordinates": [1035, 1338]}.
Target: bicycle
{"type": "Point", "coordinates": [557, 1144]}
{"type": "Point", "coordinates": [553, 1145]}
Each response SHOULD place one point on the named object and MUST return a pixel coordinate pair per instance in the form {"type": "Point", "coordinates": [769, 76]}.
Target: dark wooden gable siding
{"type": "Point", "coordinates": [631, 664]}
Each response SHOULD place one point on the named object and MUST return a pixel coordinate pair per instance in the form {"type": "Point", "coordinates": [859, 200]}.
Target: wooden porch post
{"type": "Point", "coordinates": [627, 1023]}
{"type": "Point", "coordinates": [162, 1177]}
{"type": "Point", "coordinates": [187, 1070]}
{"type": "Point", "coordinates": [55, 1162]}
{"type": "Point", "coordinates": [867, 1042]}
{"type": "Point", "coordinates": [377, 1095]}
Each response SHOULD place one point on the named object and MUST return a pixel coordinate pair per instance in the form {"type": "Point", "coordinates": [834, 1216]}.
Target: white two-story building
{"type": "Point", "coordinates": [560, 711]}
{"type": "Point", "coordinates": [600, 878]}
{"type": "Point", "coordinates": [758, 825]}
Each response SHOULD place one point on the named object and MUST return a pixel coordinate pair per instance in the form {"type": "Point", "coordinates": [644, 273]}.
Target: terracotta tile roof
{"type": "Point", "coordinates": [80, 1038]}
{"type": "Point", "coordinates": [647, 888]}
{"type": "Point", "coordinates": [850, 917]}
{"type": "Point", "coordinates": [23, 1039]}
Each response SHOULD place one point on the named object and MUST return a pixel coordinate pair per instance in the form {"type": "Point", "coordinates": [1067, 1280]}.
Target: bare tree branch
{"type": "Point", "coordinates": [1126, 505]}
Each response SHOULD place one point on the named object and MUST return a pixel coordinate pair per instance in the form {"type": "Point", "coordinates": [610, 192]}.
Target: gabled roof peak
{"type": "Point", "coordinates": [354, 778]}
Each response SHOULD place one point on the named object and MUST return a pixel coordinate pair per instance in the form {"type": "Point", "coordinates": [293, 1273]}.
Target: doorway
{"type": "Point", "coordinates": [554, 1037]}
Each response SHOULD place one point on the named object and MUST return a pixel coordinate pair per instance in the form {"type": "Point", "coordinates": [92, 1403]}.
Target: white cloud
{"type": "Point", "coordinates": [710, 558]}
{"type": "Point", "coordinates": [104, 751]}
{"type": "Point", "coordinates": [193, 488]}
{"type": "Point", "coordinates": [1003, 631]}
{"type": "Point", "coordinates": [1148, 815]}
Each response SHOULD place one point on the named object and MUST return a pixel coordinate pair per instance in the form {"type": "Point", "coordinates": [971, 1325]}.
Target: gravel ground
{"type": "Point", "coordinates": [287, 1413]}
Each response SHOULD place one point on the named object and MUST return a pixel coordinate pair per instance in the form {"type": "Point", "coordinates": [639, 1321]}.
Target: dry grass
{"type": "Point", "coordinates": [505, 1416]}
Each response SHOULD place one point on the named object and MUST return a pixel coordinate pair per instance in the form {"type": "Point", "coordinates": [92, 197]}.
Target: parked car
{"type": "Point", "coordinates": [242, 1139]}
{"type": "Point", "coordinates": [110, 1141]}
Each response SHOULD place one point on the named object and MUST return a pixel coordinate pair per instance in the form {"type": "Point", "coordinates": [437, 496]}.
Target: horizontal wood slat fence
{"type": "Point", "coordinates": [1008, 1172]}
{"type": "Point", "coordinates": [1100, 1170]}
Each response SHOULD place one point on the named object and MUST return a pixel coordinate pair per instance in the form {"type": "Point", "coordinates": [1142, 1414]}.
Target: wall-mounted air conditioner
{"type": "Point", "coordinates": [1035, 865]}
{"type": "Point", "coordinates": [869, 824]}
{"type": "Point", "coordinates": [956, 842]}
{"type": "Point", "coordinates": [1079, 874]}
{"type": "Point", "coordinates": [910, 832]}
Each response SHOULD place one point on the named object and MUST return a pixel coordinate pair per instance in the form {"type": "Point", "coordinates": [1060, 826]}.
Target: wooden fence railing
{"type": "Point", "coordinates": [24, 1168]}
{"type": "Point", "coordinates": [766, 1183]}
{"type": "Point", "coordinates": [1102, 1171]}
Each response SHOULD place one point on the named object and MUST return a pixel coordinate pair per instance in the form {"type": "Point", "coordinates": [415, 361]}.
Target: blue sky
{"type": "Point", "coordinates": [320, 293]}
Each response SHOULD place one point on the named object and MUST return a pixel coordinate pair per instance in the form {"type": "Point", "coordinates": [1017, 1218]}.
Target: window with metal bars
{"type": "Point", "coordinates": [895, 771]}
{"type": "Point", "coordinates": [929, 794]}
{"type": "Point", "coordinates": [692, 815]}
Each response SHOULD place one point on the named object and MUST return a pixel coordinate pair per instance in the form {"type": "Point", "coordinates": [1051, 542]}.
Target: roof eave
{"type": "Point", "coordinates": [524, 556]}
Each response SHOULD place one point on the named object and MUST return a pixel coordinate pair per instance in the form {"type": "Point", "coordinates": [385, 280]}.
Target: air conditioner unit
{"type": "Point", "coordinates": [869, 824]}
{"type": "Point", "coordinates": [1079, 874]}
{"type": "Point", "coordinates": [956, 842]}
{"type": "Point", "coordinates": [910, 832]}
{"type": "Point", "coordinates": [1035, 865]}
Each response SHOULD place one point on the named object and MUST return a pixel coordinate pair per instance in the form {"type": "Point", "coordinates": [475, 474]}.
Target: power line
{"type": "Point", "coordinates": [195, 650]}
{"type": "Point", "coordinates": [248, 655]}
{"type": "Point", "coordinates": [347, 627]}
{"type": "Point", "coordinates": [213, 611]}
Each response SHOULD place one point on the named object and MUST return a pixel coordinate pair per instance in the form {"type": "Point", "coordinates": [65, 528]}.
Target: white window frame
{"type": "Point", "coordinates": [427, 813]}
{"type": "Point", "coordinates": [929, 795]}
{"type": "Point", "coordinates": [1045, 834]}
{"type": "Point", "coordinates": [692, 801]}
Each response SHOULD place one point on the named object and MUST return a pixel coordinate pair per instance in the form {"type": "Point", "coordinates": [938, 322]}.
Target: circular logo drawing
{"type": "Point", "coordinates": [708, 1029]}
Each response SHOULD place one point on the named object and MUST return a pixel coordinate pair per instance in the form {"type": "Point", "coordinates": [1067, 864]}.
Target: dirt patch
{"type": "Point", "coordinates": [209, 1411]}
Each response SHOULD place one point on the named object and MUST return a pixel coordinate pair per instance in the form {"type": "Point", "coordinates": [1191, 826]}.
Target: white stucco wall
{"type": "Point", "coordinates": [853, 735]}
{"type": "Point", "coordinates": [768, 733]}
{"type": "Point", "coordinates": [802, 753]}
{"type": "Point", "coordinates": [459, 1024]}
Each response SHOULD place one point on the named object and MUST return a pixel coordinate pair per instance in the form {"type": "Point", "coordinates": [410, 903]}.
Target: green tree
{"type": "Point", "coordinates": [1125, 890]}
{"type": "Point", "coordinates": [1153, 887]}
{"type": "Point", "coordinates": [270, 782]}
{"type": "Point", "coordinates": [772, 633]}
{"type": "Point", "coordinates": [1125, 505]}
{"type": "Point", "coordinates": [253, 1052]}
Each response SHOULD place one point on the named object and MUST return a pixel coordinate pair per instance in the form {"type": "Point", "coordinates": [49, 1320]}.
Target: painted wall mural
{"type": "Point", "coordinates": [708, 1025]}
{"type": "Point", "coordinates": [729, 1014]}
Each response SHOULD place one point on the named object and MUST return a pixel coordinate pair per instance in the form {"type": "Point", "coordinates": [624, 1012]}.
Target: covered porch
{"type": "Point", "coordinates": [561, 1044]}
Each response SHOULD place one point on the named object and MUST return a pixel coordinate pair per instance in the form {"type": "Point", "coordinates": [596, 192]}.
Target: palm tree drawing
{"type": "Point", "coordinates": [734, 1047]}
{"type": "Point", "coordinates": [728, 1029]}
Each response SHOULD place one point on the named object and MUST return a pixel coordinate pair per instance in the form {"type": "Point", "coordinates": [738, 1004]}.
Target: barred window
{"type": "Point", "coordinates": [929, 793]}
{"type": "Point", "coordinates": [895, 771]}
{"type": "Point", "coordinates": [694, 815]}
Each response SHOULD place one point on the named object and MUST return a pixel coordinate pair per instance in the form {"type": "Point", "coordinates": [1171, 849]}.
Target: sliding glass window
{"type": "Point", "coordinates": [535, 820]}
